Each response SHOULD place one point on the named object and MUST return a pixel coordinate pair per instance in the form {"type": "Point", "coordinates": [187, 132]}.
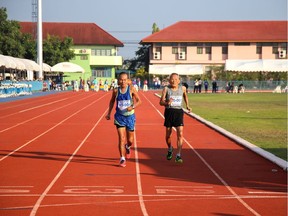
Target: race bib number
{"type": "Point", "coordinates": [123, 104]}
{"type": "Point", "coordinates": [177, 101]}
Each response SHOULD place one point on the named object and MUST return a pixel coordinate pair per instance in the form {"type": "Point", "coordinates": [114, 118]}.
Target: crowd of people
{"type": "Point", "coordinates": [196, 86]}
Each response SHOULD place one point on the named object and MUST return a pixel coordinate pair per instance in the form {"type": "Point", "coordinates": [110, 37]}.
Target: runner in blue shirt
{"type": "Point", "coordinates": [127, 99]}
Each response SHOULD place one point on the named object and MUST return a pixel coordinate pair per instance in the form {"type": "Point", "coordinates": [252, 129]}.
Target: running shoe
{"type": "Point", "coordinates": [128, 152]}
{"type": "Point", "coordinates": [178, 159]}
{"type": "Point", "coordinates": [169, 154]}
{"type": "Point", "coordinates": [122, 163]}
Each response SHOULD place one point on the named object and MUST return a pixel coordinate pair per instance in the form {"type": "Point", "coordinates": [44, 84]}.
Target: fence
{"type": "Point", "coordinates": [260, 86]}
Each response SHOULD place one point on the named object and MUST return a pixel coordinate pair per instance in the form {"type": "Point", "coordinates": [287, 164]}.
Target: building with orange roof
{"type": "Point", "coordinates": [95, 49]}
{"type": "Point", "coordinates": [204, 44]}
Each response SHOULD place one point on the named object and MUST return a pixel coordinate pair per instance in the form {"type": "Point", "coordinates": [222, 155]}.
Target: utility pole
{"type": "Point", "coordinates": [40, 39]}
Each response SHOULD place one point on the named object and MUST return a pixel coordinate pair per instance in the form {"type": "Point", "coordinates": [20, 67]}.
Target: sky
{"type": "Point", "coordinates": [130, 20]}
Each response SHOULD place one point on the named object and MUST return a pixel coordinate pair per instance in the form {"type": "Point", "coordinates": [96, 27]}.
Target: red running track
{"type": "Point", "coordinates": [59, 156]}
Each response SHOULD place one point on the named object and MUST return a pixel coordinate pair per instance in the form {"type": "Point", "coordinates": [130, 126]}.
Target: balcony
{"type": "Point", "coordinates": [106, 60]}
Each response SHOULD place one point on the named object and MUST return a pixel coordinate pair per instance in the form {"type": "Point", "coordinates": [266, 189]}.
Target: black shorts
{"type": "Point", "coordinates": [173, 117]}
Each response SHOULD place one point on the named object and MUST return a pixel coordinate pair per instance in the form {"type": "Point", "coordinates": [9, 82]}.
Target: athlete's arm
{"type": "Point", "coordinates": [163, 101]}
{"type": "Point", "coordinates": [111, 103]}
{"type": "Point", "coordinates": [136, 99]}
{"type": "Point", "coordinates": [185, 96]}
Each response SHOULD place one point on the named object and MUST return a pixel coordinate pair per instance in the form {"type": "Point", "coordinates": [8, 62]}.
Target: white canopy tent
{"type": "Point", "coordinates": [10, 62]}
{"type": "Point", "coordinates": [180, 69]}
{"type": "Point", "coordinates": [67, 67]}
{"type": "Point", "coordinates": [46, 67]}
{"type": "Point", "coordinates": [7, 62]}
{"type": "Point", "coordinates": [257, 65]}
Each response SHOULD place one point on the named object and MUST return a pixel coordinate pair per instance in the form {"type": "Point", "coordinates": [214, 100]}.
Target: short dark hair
{"type": "Point", "coordinates": [123, 72]}
{"type": "Point", "coordinates": [172, 74]}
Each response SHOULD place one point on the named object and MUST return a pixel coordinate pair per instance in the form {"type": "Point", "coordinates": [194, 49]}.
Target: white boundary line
{"type": "Point", "coordinates": [205, 196]}
{"type": "Point", "coordinates": [173, 198]}
{"type": "Point", "coordinates": [216, 174]}
{"type": "Point", "coordinates": [279, 161]}
{"type": "Point", "coordinates": [138, 177]}
{"type": "Point", "coordinates": [43, 195]}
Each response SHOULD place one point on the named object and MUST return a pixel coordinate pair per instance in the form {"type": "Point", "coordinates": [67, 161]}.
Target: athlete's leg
{"type": "Point", "coordinates": [179, 130]}
{"type": "Point", "coordinates": [121, 140]}
{"type": "Point", "coordinates": [130, 137]}
{"type": "Point", "coordinates": [168, 137]}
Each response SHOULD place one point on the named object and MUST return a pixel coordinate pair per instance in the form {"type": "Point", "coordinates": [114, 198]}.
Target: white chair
{"type": "Point", "coordinates": [235, 90]}
{"type": "Point", "coordinates": [277, 89]}
{"type": "Point", "coordinates": [242, 90]}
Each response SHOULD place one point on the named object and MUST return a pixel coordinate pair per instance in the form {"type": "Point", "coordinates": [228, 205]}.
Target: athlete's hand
{"type": "Point", "coordinates": [130, 108]}
{"type": "Point", "coordinates": [107, 117]}
{"type": "Point", "coordinates": [169, 102]}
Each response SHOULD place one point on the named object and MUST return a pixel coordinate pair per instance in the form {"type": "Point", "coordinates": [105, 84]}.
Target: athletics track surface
{"type": "Point", "coordinates": [59, 156]}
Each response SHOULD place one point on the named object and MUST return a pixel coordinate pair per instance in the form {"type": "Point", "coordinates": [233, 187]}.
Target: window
{"type": "Point", "coordinates": [208, 50]}
{"type": "Point", "coordinates": [101, 52]}
{"type": "Point", "coordinates": [158, 49]}
{"type": "Point", "coordinates": [275, 48]}
{"type": "Point", "coordinates": [199, 50]}
{"type": "Point", "coordinates": [101, 72]}
{"type": "Point", "coordinates": [242, 44]}
{"type": "Point", "coordinates": [224, 50]}
{"type": "Point", "coordinates": [83, 57]}
{"type": "Point", "coordinates": [174, 50]}
{"type": "Point", "coordinates": [183, 49]}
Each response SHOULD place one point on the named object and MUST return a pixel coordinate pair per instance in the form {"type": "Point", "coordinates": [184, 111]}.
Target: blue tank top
{"type": "Point", "coordinates": [124, 100]}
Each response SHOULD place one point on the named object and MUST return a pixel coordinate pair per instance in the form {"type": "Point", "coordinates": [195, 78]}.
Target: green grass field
{"type": "Point", "coordinates": [260, 118]}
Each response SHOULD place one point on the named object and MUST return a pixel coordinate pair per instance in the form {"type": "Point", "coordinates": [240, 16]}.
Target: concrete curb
{"type": "Point", "coordinates": [279, 161]}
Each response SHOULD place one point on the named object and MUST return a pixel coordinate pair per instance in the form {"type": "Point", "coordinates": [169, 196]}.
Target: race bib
{"type": "Point", "coordinates": [123, 104]}
{"type": "Point", "coordinates": [177, 101]}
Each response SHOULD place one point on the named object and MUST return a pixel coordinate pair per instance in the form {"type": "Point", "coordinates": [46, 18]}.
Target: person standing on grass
{"type": "Point", "coordinates": [127, 99]}
{"type": "Point", "coordinates": [172, 98]}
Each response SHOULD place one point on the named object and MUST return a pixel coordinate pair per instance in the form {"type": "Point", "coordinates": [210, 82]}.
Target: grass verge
{"type": "Point", "coordinates": [260, 118]}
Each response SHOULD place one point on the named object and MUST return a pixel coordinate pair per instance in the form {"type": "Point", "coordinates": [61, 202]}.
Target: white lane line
{"type": "Point", "coordinates": [31, 102]}
{"type": "Point", "coordinates": [182, 196]}
{"type": "Point", "coordinates": [43, 195]}
{"type": "Point", "coordinates": [36, 107]}
{"type": "Point", "coordinates": [111, 202]}
{"type": "Point", "coordinates": [15, 189]}
{"type": "Point", "coordinates": [138, 177]}
{"type": "Point", "coordinates": [214, 172]}
{"type": "Point", "coordinates": [265, 192]}
{"type": "Point", "coordinates": [48, 130]}
{"type": "Point", "coordinates": [23, 122]}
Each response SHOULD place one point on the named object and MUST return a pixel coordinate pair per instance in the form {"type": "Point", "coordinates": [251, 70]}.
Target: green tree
{"type": "Point", "coordinates": [55, 50]}
{"type": "Point", "coordinates": [11, 40]}
{"type": "Point", "coordinates": [141, 62]}
{"type": "Point", "coordinates": [155, 28]}
{"type": "Point", "coordinates": [17, 44]}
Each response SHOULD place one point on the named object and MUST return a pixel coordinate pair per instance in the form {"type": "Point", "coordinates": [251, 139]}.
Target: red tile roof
{"type": "Point", "coordinates": [221, 31]}
{"type": "Point", "coordinates": [82, 33]}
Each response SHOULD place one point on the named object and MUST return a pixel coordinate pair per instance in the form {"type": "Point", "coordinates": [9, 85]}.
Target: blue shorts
{"type": "Point", "coordinates": [125, 121]}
